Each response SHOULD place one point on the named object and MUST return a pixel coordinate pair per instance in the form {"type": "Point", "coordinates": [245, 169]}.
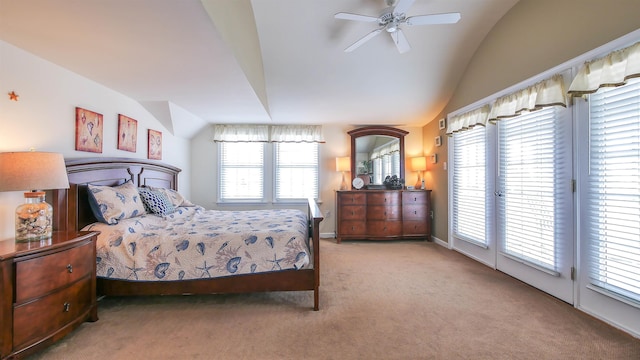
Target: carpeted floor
{"type": "Point", "coordinates": [378, 300]}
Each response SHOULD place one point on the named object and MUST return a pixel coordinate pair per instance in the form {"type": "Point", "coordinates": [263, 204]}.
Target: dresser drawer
{"type": "Point", "coordinates": [414, 197]}
{"type": "Point", "coordinates": [384, 198]}
{"type": "Point", "coordinates": [384, 228]}
{"type": "Point", "coordinates": [353, 212]}
{"type": "Point", "coordinates": [41, 275]}
{"type": "Point", "coordinates": [413, 227]}
{"type": "Point", "coordinates": [38, 319]}
{"type": "Point", "coordinates": [352, 198]}
{"type": "Point", "coordinates": [414, 212]}
{"type": "Point", "coordinates": [381, 212]}
{"type": "Point", "coordinates": [352, 228]}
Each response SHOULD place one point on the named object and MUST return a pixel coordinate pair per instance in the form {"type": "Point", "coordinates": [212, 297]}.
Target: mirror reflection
{"type": "Point", "coordinates": [376, 157]}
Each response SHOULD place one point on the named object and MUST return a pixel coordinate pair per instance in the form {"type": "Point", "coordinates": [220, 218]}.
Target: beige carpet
{"type": "Point", "coordinates": [378, 300]}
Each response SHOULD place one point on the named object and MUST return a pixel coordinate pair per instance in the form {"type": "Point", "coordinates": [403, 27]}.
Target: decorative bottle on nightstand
{"type": "Point", "coordinates": [34, 218]}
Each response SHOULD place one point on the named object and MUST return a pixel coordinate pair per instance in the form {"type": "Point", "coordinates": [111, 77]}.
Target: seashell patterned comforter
{"type": "Point", "coordinates": [195, 243]}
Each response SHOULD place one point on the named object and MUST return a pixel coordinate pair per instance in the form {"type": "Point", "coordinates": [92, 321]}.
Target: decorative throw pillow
{"type": "Point", "coordinates": [155, 202]}
{"type": "Point", "coordinates": [110, 204]}
{"type": "Point", "coordinates": [175, 197]}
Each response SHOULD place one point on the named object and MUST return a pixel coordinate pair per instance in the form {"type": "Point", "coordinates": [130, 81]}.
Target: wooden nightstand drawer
{"type": "Point", "coordinates": [41, 275]}
{"type": "Point", "coordinates": [414, 212]}
{"type": "Point", "coordinates": [34, 320]}
{"type": "Point", "coordinates": [414, 197]}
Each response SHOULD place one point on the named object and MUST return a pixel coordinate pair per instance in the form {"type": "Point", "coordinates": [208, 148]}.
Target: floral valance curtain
{"type": "Point", "coordinates": [611, 70]}
{"type": "Point", "coordinates": [296, 133]}
{"type": "Point", "coordinates": [385, 150]}
{"type": "Point", "coordinates": [268, 133]}
{"type": "Point", "coordinates": [468, 120]}
{"type": "Point", "coordinates": [545, 93]}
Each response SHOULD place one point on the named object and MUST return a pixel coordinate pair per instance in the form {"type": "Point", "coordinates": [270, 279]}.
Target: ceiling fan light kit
{"type": "Point", "coordinates": [392, 18]}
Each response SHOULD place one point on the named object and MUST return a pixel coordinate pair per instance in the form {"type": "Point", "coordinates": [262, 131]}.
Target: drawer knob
{"type": "Point", "coordinates": [67, 306]}
{"type": "Point", "coordinates": [70, 268]}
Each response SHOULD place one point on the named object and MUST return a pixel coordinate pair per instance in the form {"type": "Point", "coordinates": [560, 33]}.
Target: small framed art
{"type": "Point", "coordinates": [127, 133]}
{"type": "Point", "coordinates": [154, 149]}
{"type": "Point", "coordinates": [438, 140]}
{"type": "Point", "coordinates": [88, 130]}
{"type": "Point", "coordinates": [442, 123]}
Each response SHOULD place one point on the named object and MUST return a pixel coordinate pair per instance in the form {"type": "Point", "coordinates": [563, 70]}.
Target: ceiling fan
{"type": "Point", "coordinates": [392, 18]}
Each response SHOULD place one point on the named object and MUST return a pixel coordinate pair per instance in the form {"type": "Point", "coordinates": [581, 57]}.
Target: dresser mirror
{"type": "Point", "coordinates": [377, 152]}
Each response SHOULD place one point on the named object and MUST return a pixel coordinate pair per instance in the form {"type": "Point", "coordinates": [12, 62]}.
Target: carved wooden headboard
{"type": "Point", "coordinates": [71, 207]}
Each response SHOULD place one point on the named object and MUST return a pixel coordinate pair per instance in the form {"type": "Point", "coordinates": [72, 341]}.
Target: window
{"type": "Point", "coordinates": [296, 171]}
{"type": "Point", "coordinates": [245, 171]}
{"type": "Point", "coordinates": [241, 171]}
{"type": "Point", "coordinates": [469, 185]}
{"type": "Point", "coordinates": [614, 190]}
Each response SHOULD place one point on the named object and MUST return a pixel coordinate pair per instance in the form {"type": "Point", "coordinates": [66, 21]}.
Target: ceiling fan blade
{"type": "Point", "coordinates": [363, 40]}
{"type": "Point", "coordinates": [401, 41]}
{"type": "Point", "coordinates": [355, 17]}
{"type": "Point", "coordinates": [402, 7]}
{"type": "Point", "coordinates": [434, 19]}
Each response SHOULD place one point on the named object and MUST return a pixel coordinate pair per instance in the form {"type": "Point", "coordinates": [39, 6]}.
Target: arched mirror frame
{"type": "Point", "coordinates": [376, 130]}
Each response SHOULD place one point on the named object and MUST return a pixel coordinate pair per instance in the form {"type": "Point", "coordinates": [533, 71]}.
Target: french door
{"type": "Point", "coordinates": [534, 200]}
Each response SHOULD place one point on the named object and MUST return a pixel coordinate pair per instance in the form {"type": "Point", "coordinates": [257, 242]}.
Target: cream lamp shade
{"type": "Point", "coordinates": [34, 171]}
{"type": "Point", "coordinates": [343, 164]}
{"type": "Point", "coordinates": [419, 164]}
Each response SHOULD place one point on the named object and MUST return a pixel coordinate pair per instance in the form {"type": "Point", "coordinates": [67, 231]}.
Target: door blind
{"type": "Point", "coordinates": [469, 185]}
{"type": "Point", "coordinates": [614, 190]}
{"type": "Point", "coordinates": [531, 195]}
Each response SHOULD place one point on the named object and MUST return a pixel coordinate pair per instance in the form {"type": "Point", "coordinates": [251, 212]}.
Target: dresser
{"type": "Point", "coordinates": [47, 289]}
{"type": "Point", "coordinates": [383, 214]}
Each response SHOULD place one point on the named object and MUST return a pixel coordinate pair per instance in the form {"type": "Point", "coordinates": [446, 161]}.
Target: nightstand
{"type": "Point", "coordinates": [47, 289]}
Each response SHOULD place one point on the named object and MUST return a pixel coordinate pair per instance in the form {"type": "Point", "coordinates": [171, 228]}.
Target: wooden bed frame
{"type": "Point", "coordinates": [72, 212]}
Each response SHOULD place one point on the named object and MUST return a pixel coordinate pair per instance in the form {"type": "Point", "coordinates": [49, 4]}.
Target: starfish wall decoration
{"type": "Point", "coordinates": [13, 96]}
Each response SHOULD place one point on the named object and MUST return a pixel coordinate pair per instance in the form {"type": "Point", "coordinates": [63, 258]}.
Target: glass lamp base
{"type": "Point", "coordinates": [34, 218]}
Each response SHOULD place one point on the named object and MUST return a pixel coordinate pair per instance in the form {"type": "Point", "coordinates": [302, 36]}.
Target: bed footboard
{"type": "Point", "coordinates": [315, 217]}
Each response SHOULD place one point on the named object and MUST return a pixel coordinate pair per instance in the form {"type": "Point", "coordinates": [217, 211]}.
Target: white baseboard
{"type": "Point", "coordinates": [327, 235]}
{"type": "Point", "coordinates": [440, 242]}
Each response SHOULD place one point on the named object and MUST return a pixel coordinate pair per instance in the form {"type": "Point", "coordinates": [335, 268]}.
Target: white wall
{"type": "Point", "coordinates": [44, 118]}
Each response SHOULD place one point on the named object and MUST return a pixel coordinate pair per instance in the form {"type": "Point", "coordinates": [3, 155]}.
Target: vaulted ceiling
{"type": "Point", "coordinates": [193, 62]}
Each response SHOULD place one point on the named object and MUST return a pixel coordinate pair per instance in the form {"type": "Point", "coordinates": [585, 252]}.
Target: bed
{"type": "Point", "coordinates": [73, 211]}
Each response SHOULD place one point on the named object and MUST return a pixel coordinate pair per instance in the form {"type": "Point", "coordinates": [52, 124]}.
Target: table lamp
{"type": "Point", "coordinates": [343, 164]}
{"type": "Point", "coordinates": [419, 164]}
{"type": "Point", "coordinates": [35, 171]}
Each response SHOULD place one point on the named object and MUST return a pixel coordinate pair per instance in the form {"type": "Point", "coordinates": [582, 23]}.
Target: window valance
{"type": "Point", "coordinates": [385, 150]}
{"type": "Point", "coordinates": [611, 70]}
{"type": "Point", "coordinates": [468, 120]}
{"type": "Point", "coordinates": [268, 133]}
{"type": "Point", "coordinates": [545, 93]}
{"type": "Point", "coordinates": [241, 133]}
{"type": "Point", "coordinates": [296, 133]}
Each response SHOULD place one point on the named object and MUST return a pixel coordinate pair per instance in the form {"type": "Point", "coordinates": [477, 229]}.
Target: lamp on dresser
{"type": "Point", "coordinates": [34, 171]}
{"type": "Point", "coordinates": [343, 164]}
{"type": "Point", "coordinates": [419, 164]}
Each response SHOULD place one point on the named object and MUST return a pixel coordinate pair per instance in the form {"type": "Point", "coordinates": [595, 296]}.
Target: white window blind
{"type": "Point", "coordinates": [296, 170]}
{"type": "Point", "coordinates": [241, 171]}
{"type": "Point", "coordinates": [469, 185]}
{"type": "Point", "coordinates": [530, 193]}
{"type": "Point", "coordinates": [614, 190]}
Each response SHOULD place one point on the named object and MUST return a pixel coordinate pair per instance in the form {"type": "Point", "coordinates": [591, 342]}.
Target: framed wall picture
{"type": "Point", "coordinates": [154, 149]}
{"type": "Point", "coordinates": [438, 141]}
{"type": "Point", "coordinates": [127, 133]}
{"type": "Point", "coordinates": [442, 123]}
{"type": "Point", "coordinates": [88, 130]}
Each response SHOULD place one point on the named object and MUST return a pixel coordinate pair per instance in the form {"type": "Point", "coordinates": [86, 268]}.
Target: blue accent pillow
{"type": "Point", "coordinates": [155, 202]}
{"type": "Point", "coordinates": [111, 204]}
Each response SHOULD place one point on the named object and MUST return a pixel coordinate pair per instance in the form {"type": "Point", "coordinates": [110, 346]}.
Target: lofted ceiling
{"type": "Point", "coordinates": [193, 62]}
